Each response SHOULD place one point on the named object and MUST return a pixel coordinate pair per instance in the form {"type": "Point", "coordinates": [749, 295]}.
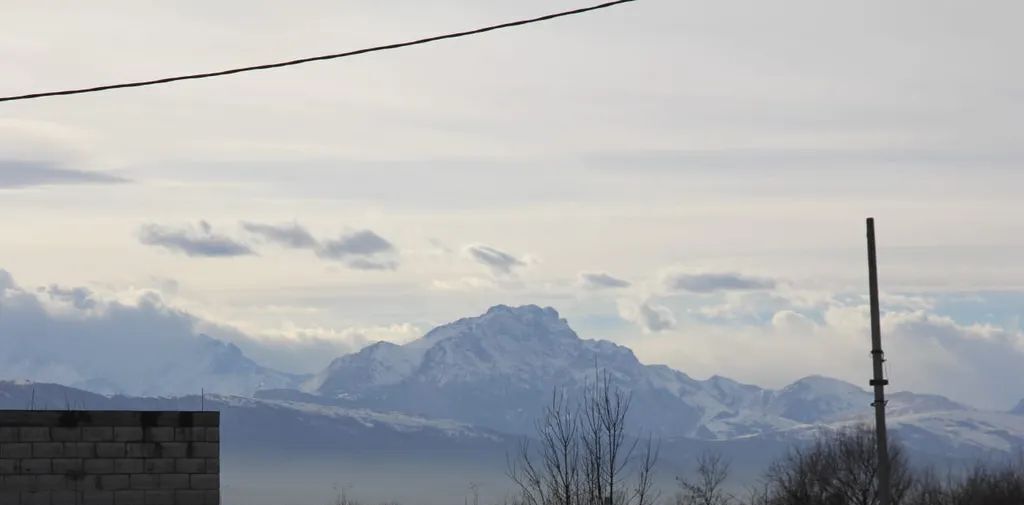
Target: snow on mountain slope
{"type": "Point", "coordinates": [378, 364]}
{"type": "Point", "coordinates": [274, 418]}
{"type": "Point", "coordinates": [941, 436]}
{"type": "Point", "coordinates": [497, 369]}
{"type": "Point", "coordinates": [818, 399]}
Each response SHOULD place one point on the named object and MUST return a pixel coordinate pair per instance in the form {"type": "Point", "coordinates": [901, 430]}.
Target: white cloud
{"type": "Point", "coordinates": [142, 345]}
{"type": "Point", "coordinates": [977, 364]}
{"type": "Point", "coordinates": [790, 322]}
{"type": "Point", "coordinates": [469, 283]}
{"type": "Point", "coordinates": [650, 317]}
{"type": "Point", "coordinates": [736, 162]}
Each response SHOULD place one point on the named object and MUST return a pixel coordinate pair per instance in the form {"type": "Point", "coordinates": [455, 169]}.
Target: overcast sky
{"type": "Point", "coordinates": [689, 179]}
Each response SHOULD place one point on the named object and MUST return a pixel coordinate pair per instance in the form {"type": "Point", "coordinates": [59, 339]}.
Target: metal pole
{"type": "Point", "coordinates": [878, 382]}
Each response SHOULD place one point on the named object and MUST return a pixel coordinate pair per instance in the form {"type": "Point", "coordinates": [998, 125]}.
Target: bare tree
{"type": "Point", "coordinates": [984, 484]}
{"type": "Point", "coordinates": [644, 493]}
{"type": "Point", "coordinates": [609, 451]}
{"type": "Point", "coordinates": [709, 486]}
{"type": "Point", "coordinates": [553, 477]}
{"type": "Point", "coordinates": [585, 454]}
{"type": "Point", "coordinates": [837, 469]}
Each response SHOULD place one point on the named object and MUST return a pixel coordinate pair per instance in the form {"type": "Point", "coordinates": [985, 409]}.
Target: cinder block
{"type": "Point", "coordinates": [97, 498]}
{"type": "Point", "coordinates": [141, 450]}
{"type": "Point", "coordinates": [114, 483]}
{"type": "Point", "coordinates": [129, 497]}
{"type": "Point", "coordinates": [127, 434]}
{"type": "Point", "coordinates": [47, 449]}
{"type": "Point", "coordinates": [61, 434]}
{"type": "Point", "coordinates": [110, 457]}
{"type": "Point", "coordinates": [162, 418]}
{"type": "Point", "coordinates": [87, 482]}
{"type": "Point", "coordinates": [159, 434]}
{"type": "Point", "coordinates": [160, 498]}
{"type": "Point", "coordinates": [9, 466]}
{"type": "Point", "coordinates": [189, 434]}
{"type": "Point", "coordinates": [9, 497]}
{"type": "Point", "coordinates": [212, 497]}
{"type": "Point", "coordinates": [174, 481]}
{"type": "Point", "coordinates": [97, 434]}
{"type": "Point", "coordinates": [128, 465]}
{"type": "Point", "coordinates": [15, 450]}
{"type": "Point", "coordinates": [67, 465]}
{"type": "Point", "coordinates": [19, 483]}
{"type": "Point", "coordinates": [204, 481]}
{"type": "Point", "coordinates": [115, 418]}
{"type": "Point", "coordinates": [30, 418]}
{"type": "Point", "coordinates": [207, 419]}
{"type": "Point", "coordinates": [98, 466]}
{"type": "Point", "coordinates": [53, 482]}
{"type": "Point", "coordinates": [64, 498]}
{"type": "Point", "coordinates": [172, 449]}
{"type": "Point", "coordinates": [36, 466]}
{"type": "Point", "coordinates": [34, 434]}
{"type": "Point", "coordinates": [35, 498]}
{"type": "Point", "coordinates": [110, 450]}
{"type": "Point", "coordinates": [145, 481]}
{"type": "Point", "coordinates": [159, 465]}
{"type": "Point", "coordinates": [205, 450]}
{"type": "Point", "coordinates": [190, 465]}
{"type": "Point", "coordinates": [189, 497]}
{"type": "Point", "coordinates": [79, 450]}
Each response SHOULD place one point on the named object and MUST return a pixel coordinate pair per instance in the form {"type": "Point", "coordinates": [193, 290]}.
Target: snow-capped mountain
{"type": "Point", "coordinates": [496, 370]}
{"type": "Point", "coordinates": [206, 364]}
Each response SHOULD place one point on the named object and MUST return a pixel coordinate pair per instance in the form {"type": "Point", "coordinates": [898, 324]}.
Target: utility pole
{"type": "Point", "coordinates": [878, 382]}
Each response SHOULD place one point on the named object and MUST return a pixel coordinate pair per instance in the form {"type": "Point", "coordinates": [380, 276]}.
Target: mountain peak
{"type": "Point", "coordinates": [502, 322]}
{"type": "Point", "coordinates": [821, 383]}
{"type": "Point", "coordinates": [524, 311]}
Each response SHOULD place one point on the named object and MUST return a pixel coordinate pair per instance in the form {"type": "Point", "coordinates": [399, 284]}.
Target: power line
{"type": "Point", "coordinates": [300, 61]}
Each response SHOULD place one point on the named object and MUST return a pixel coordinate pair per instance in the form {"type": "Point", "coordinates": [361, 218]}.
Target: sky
{"type": "Point", "coordinates": [689, 179]}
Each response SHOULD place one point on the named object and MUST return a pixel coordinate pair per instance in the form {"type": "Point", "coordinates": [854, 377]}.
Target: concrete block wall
{"type": "Point", "coordinates": [109, 458]}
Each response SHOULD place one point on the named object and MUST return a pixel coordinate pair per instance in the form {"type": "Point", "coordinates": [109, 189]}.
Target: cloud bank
{"type": "Point", "coordinates": [72, 336]}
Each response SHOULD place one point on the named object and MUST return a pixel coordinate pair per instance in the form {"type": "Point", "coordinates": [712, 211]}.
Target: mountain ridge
{"type": "Point", "coordinates": [496, 370]}
{"type": "Point", "coordinates": [493, 369]}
